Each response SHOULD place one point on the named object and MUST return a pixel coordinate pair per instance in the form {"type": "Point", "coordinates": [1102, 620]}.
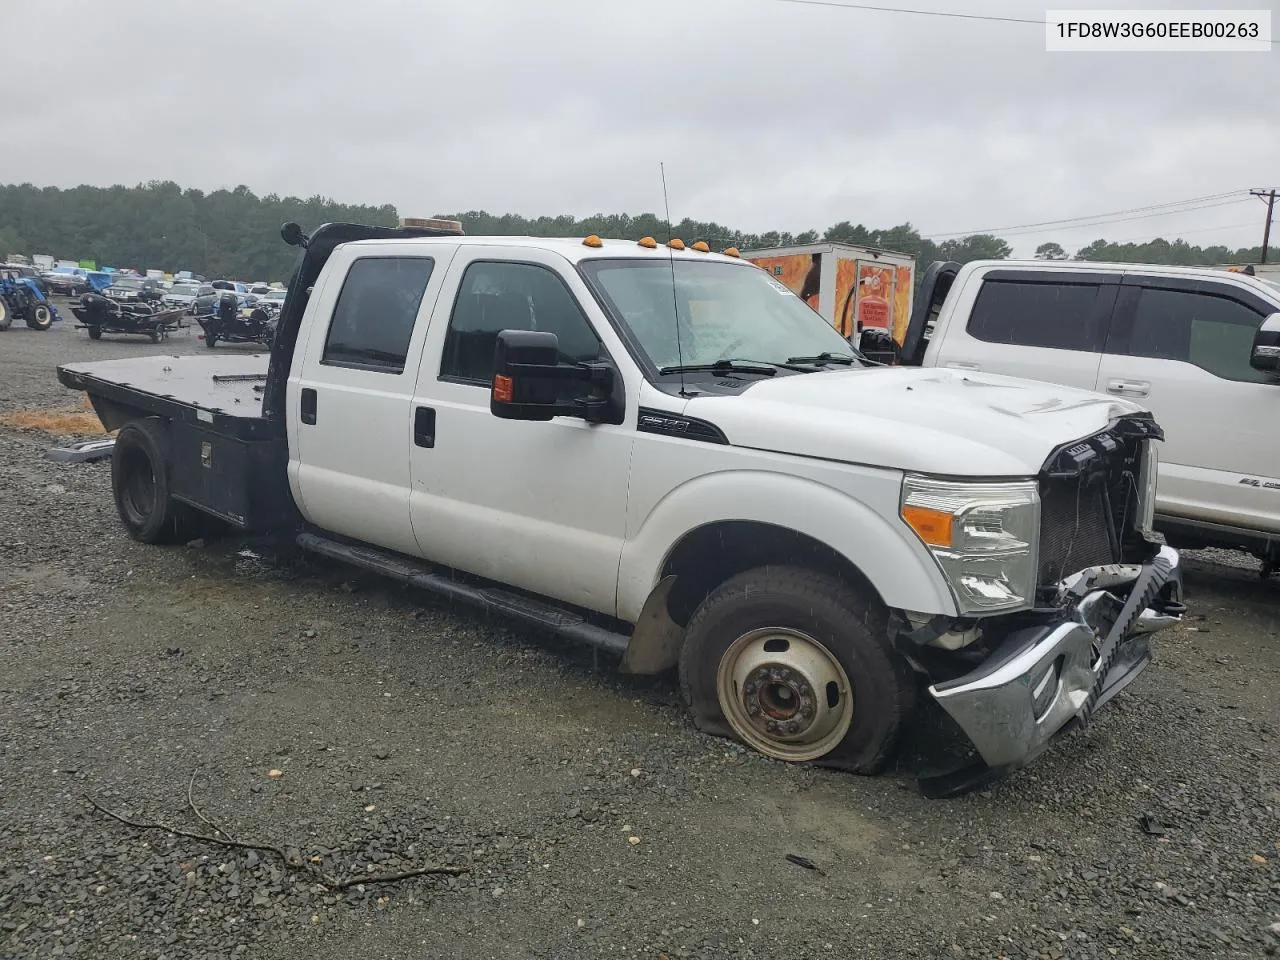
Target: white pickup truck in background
{"type": "Point", "coordinates": [1200, 347]}
{"type": "Point", "coordinates": [664, 452]}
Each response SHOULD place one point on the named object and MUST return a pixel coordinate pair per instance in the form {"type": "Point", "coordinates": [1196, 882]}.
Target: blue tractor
{"type": "Point", "coordinates": [22, 299]}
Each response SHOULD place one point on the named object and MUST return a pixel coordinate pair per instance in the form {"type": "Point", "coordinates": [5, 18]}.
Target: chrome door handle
{"type": "Point", "coordinates": [1129, 388]}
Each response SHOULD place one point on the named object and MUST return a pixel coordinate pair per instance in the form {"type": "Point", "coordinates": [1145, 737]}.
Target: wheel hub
{"type": "Point", "coordinates": [785, 693]}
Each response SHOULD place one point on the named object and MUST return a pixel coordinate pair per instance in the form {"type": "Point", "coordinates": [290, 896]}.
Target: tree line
{"type": "Point", "coordinates": [235, 233]}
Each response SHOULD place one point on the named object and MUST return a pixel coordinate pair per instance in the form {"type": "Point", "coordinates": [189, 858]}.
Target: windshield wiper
{"type": "Point", "coordinates": [822, 359]}
{"type": "Point", "coordinates": [726, 366]}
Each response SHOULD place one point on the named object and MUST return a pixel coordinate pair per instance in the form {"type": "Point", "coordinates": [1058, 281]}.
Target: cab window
{"type": "Point", "coordinates": [1214, 333]}
{"type": "Point", "coordinates": [373, 319]}
{"type": "Point", "coordinates": [497, 296]}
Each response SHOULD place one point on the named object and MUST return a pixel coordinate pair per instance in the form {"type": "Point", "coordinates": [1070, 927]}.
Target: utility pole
{"type": "Point", "coordinates": [1270, 196]}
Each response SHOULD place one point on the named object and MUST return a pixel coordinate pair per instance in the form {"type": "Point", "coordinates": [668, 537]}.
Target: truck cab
{"type": "Point", "coordinates": [663, 452]}
{"type": "Point", "coordinates": [1195, 344]}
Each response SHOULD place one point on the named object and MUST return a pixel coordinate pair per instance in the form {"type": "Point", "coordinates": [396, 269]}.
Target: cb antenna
{"type": "Point", "coordinates": [671, 259]}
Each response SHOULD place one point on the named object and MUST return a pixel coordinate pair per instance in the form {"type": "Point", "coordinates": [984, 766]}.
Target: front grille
{"type": "Point", "coordinates": [1074, 528]}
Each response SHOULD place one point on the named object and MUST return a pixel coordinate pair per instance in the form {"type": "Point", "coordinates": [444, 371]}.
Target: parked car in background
{"type": "Point", "coordinates": [241, 290]}
{"type": "Point", "coordinates": [272, 300]}
{"type": "Point", "coordinates": [1200, 346]}
{"type": "Point", "coordinates": [67, 281]}
{"type": "Point", "coordinates": [196, 298]}
{"type": "Point", "coordinates": [133, 290]}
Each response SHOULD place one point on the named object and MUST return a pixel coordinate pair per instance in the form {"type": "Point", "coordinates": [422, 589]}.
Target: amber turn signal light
{"type": "Point", "coordinates": [503, 388]}
{"type": "Point", "coordinates": [934, 527]}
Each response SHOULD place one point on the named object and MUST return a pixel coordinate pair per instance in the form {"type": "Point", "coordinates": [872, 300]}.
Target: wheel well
{"type": "Point", "coordinates": [711, 554]}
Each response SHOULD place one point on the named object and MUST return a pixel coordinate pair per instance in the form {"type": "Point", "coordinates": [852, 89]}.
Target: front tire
{"type": "Point", "coordinates": [6, 318]}
{"type": "Point", "coordinates": [797, 665]}
{"type": "Point", "coordinates": [40, 317]}
{"type": "Point", "coordinates": [95, 333]}
{"type": "Point", "coordinates": [140, 483]}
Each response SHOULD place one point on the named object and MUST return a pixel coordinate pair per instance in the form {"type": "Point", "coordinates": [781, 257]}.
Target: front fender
{"type": "Point", "coordinates": [897, 564]}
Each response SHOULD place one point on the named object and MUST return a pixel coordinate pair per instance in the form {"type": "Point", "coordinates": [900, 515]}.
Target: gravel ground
{"type": "Point", "coordinates": [363, 729]}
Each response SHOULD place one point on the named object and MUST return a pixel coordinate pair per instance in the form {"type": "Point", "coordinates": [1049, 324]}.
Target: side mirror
{"type": "Point", "coordinates": [1266, 345]}
{"type": "Point", "coordinates": [878, 345]}
{"type": "Point", "coordinates": [529, 381]}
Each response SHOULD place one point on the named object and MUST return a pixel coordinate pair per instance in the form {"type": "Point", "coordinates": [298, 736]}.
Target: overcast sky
{"type": "Point", "coordinates": [768, 115]}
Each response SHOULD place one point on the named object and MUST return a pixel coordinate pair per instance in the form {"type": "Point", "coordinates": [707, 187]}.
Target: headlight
{"type": "Point", "coordinates": [984, 536]}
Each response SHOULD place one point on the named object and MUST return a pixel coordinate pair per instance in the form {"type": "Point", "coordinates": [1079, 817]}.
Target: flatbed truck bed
{"type": "Point", "coordinates": [227, 456]}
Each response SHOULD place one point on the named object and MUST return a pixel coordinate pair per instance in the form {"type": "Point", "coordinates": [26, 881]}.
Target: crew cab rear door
{"type": "Point", "coordinates": [1047, 325]}
{"type": "Point", "coordinates": [539, 505]}
{"type": "Point", "coordinates": [350, 399]}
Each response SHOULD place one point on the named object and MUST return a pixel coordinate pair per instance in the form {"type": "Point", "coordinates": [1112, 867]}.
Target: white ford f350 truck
{"type": "Point", "coordinates": [1200, 347]}
{"type": "Point", "coordinates": [663, 452]}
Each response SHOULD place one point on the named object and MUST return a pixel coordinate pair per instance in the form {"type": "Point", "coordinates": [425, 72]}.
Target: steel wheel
{"type": "Point", "coordinates": [784, 693]}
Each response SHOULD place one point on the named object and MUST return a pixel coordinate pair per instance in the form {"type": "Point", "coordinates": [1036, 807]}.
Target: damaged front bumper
{"type": "Point", "coordinates": [1044, 679]}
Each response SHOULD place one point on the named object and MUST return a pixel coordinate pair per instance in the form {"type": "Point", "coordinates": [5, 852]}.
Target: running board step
{"type": "Point", "coordinates": [560, 620]}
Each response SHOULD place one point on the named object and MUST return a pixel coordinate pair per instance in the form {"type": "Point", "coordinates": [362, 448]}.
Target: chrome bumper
{"type": "Point", "coordinates": [1043, 678]}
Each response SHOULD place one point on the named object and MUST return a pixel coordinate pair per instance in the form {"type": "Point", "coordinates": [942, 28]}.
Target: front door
{"type": "Point", "coordinates": [538, 505]}
{"type": "Point", "coordinates": [1182, 348]}
{"type": "Point", "coordinates": [350, 401]}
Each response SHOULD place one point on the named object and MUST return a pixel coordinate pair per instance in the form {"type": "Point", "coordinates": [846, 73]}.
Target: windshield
{"type": "Point", "coordinates": [72, 271]}
{"type": "Point", "coordinates": [128, 283]}
{"type": "Point", "coordinates": [727, 311]}
{"type": "Point", "coordinates": [274, 295]}
{"type": "Point", "coordinates": [184, 290]}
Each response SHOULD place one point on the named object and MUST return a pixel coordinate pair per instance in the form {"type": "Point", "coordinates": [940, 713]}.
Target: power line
{"type": "Point", "coordinates": [1071, 227]}
{"type": "Point", "coordinates": [1182, 204]}
{"type": "Point", "coordinates": [920, 13]}
{"type": "Point", "coordinates": [1181, 233]}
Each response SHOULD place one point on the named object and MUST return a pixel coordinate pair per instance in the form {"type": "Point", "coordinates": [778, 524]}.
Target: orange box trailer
{"type": "Point", "coordinates": [853, 288]}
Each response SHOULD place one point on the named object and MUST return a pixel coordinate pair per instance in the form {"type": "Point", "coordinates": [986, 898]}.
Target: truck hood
{"type": "Point", "coordinates": [927, 420]}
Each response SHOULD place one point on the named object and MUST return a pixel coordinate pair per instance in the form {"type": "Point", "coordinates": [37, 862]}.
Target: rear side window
{"type": "Point", "coordinates": [1214, 333]}
{"type": "Point", "coordinates": [373, 319]}
{"type": "Point", "coordinates": [1060, 316]}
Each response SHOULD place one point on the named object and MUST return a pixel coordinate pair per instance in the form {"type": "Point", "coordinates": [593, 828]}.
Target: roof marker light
{"type": "Point", "coordinates": [676, 244]}
{"type": "Point", "coordinates": [701, 247]}
{"type": "Point", "coordinates": [647, 242]}
{"type": "Point", "coordinates": [593, 241]}
{"type": "Point", "coordinates": [731, 252]}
